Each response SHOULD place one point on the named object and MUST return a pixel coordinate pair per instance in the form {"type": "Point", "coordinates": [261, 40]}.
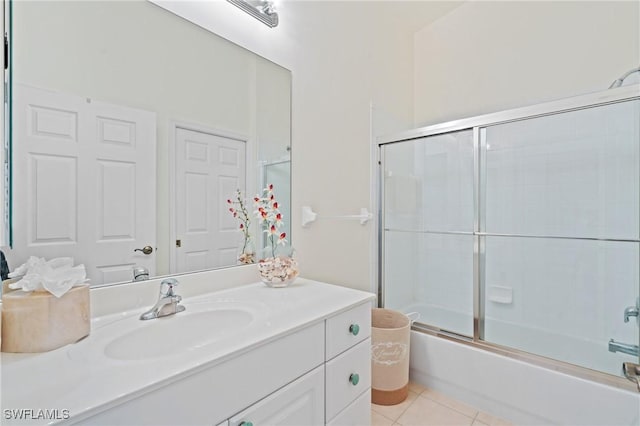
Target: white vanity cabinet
{"type": "Point", "coordinates": [317, 375]}
{"type": "Point", "coordinates": [304, 360]}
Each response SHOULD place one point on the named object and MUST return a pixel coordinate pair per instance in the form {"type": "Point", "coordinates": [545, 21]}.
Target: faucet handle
{"type": "Point", "coordinates": [140, 273]}
{"type": "Point", "coordinates": [167, 287]}
{"type": "Point", "coordinates": [631, 311]}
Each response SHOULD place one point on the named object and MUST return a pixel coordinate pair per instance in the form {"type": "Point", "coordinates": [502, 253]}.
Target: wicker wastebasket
{"type": "Point", "coordinates": [390, 333]}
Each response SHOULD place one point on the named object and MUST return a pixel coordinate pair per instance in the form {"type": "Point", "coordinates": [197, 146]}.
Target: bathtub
{"type": "Point", "coordinates": [524, 393]}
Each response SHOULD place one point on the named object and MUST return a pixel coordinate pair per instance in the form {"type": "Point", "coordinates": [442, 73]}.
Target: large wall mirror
{"type": "Point", "coordinates": [131, 127]}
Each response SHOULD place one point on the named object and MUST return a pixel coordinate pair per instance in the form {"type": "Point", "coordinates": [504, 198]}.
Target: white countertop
{"type": "Point", "coordinates": [82, 379]}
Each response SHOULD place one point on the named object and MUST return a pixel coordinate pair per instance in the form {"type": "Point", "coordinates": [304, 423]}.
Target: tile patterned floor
{"type": "Point", "coordinates": [426, 407]}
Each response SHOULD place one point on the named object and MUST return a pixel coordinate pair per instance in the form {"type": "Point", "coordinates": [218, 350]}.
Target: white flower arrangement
{"type": "Point", "coordinates": [268, 212]}
{"type": "Point", "coordinates": [276, 271]}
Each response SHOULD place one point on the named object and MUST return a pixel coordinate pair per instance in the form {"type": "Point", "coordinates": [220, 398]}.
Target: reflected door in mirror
{"type": "Point", "coordinates": [82, 182]}
{"type": "Point", "coordinates": [210, 167]}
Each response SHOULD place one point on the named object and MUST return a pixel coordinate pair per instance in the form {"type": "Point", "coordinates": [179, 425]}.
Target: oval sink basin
{"type": "Point", "coordinates": [177, 333]}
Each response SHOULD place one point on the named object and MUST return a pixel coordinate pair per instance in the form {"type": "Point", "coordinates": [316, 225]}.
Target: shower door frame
{"type": "Point", "coordinates": [476, 124]}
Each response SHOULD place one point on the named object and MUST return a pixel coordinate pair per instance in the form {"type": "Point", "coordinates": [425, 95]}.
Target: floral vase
{"type": "Point", "coordinates": [248, 255]}
{"type": "Point", "coordinates": [247, 258]}
{"type": "Point", "coordinates": [278, 271]}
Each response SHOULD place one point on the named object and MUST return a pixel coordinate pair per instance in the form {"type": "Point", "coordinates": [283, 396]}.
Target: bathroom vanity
{"type": "Point", "coordinates": [249, 355]}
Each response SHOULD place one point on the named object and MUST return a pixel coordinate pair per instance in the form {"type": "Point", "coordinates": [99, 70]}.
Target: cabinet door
{"type": "Point", "coordinates": [299, 403]}
{"type": "Point", "coordinates": [358, 413]}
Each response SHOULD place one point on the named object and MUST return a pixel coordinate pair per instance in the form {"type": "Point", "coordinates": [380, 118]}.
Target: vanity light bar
{"type": "Point", "coordinates": [263, 14]}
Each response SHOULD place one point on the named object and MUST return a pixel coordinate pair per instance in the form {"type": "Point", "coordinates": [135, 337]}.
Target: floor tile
{"type": "Point", "coordinates": [478, 423]}
{"type": "Point", "coordinates": [394, 411]}
{"type": "Point", "coordinates": [426, 412]}
{"type": "Point", "coordinates": [378, 419]}
{"type": "Point", "coordinates": [416, 387]}
{"type": "Point", "coordinates": [463, 408]}
{"type": "Point", "coordinates": [492, 420]}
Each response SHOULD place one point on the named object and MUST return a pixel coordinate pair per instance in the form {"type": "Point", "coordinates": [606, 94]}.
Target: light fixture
{"type": "Point", "coordinates": [262, 10]}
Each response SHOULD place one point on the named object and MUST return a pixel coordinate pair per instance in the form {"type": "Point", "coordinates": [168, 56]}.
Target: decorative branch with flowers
{"type": "Point", "coordinates": [275, 271]}
{"type": "Point", "coordinates": [239, 211]}
{"type": "Point", "coordinates": [268, 213]}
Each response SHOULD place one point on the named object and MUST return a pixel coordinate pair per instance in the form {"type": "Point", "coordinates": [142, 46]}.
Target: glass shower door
{"type": "Point", "coordinates": [560, 229]}
{"type": "Point", "coordinates": [428, 226]}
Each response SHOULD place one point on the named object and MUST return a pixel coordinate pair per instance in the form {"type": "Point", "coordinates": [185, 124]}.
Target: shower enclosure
{"type": "Point", "coordinates": [519, 231]}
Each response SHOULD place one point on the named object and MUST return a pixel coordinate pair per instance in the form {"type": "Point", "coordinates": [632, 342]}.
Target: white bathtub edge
{"type": "Point", "coordinates": [523, 393]}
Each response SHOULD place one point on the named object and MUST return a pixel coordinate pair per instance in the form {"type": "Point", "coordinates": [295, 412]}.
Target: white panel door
{"type": "Point", "coordinates": [209, 170]}
{"type": "Point", "coordinates": [84, 183]}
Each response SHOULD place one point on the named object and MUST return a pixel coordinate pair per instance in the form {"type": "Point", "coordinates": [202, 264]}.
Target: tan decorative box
{"type": "Point", "coordinates": [39, 322]}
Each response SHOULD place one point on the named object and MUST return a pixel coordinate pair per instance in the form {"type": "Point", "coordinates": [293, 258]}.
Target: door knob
{"type": "Point", "coordinates": [145, 250]}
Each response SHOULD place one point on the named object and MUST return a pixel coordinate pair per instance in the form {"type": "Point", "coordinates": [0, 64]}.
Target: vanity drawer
{"type": "Point", "coordinates": [348, 328]}
{"type": "Point", "coordinates": [358, 413]}
{"type": "Point", "coordinates": [298, 403]}
{"type": "Point", "coordinates": [348, 376]}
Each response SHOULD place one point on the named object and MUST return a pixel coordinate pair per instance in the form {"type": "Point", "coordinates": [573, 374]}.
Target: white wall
{"type": "Point", "coordinates": [343, 55]}
{"type": "Point", "coordinates": [343, 68]}
{"type": "Point", "coordinates": [487, 56]}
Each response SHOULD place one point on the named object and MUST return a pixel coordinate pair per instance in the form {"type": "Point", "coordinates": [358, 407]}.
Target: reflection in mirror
{"type": "Point", "coordinates": [131, 128]}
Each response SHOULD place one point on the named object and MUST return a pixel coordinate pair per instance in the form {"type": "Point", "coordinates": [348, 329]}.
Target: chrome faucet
{"type": "Point", "coordinates": [167, 303]}
{"type": "Point", "coordinates": [625, 348]}
{"type": "Point", "coordinates": [618, 82]}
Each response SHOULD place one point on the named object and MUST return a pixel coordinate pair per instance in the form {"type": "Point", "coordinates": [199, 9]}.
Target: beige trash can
{"type": "Point", "coordinates": [390, 334]}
